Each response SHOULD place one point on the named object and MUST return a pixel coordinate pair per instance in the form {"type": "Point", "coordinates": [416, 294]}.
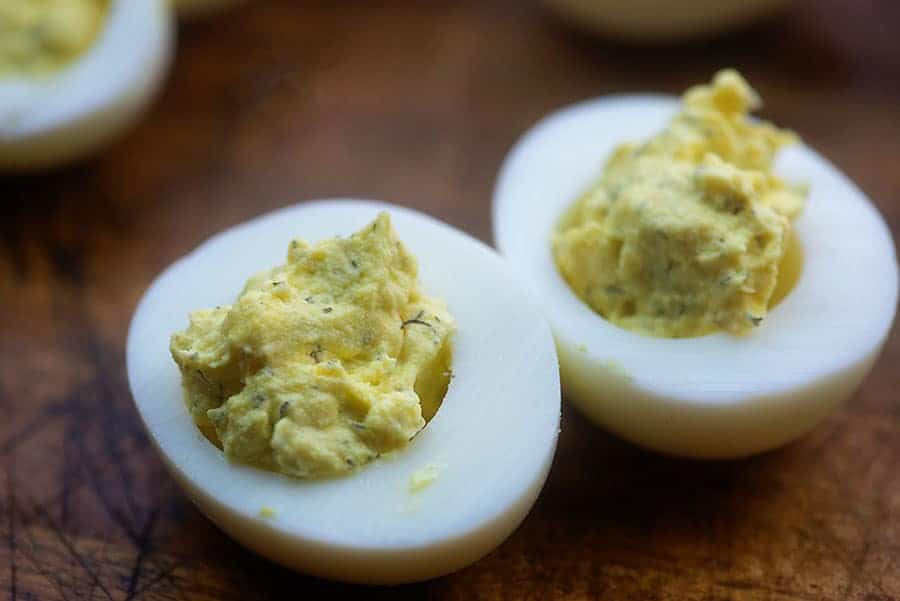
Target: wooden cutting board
{"type": "Point", "coordinates": [417, 103]}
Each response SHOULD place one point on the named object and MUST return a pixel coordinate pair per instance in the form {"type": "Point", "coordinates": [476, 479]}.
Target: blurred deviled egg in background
{"type": "Point", "coordinates": [76, 73]}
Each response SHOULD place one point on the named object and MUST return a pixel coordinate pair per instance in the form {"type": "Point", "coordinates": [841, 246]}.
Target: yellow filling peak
{"type": "Point", "coordinates": [686, 233]}
{"type": "Point", "coordinates": [41, 36]}
{"type": "Point", "coordinates": [322, 363]}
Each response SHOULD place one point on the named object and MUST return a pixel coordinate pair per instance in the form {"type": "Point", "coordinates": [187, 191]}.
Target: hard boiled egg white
{"type": "Point", "coordinates": [718, 395]}
{"type": "Point", "coordinates": [664, 20]}
{"type": "Point", "coordinates": [55, 118]}
{"type": "Point", "coordinates": [464, 483]}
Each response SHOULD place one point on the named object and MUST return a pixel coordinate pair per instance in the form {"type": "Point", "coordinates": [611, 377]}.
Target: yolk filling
{"type": "Point", "coordinates": [323, 363]}
{"type": "Point", "coordinates": [38, 37]}
{"type": "Point", "coordinates": [789, 269]}
{"type": "Point", "coordinates": [688, 233]}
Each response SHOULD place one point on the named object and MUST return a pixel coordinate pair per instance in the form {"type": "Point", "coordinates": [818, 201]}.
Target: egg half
{"type": "Point", "coordinates": [457, 491]}
{"type": "Point", "coordinates": [720, 395]}
{"type": "Point", "coordinates": [54, 118]}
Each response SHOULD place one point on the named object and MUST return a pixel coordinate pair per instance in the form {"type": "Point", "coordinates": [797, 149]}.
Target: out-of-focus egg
{"type": "Point", "coordinates": [462, 485]}
{"type": "Point", "coordinates": [49, 118]}
{"type": "Point", "coordinates": [664, 20]}
{"type": "Point", "coordinates": [718, 395]}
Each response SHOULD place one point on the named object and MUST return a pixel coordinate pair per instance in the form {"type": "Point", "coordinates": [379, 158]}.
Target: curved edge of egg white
{"type": "Point", "coordinates": [365, 566]}
{"type": "Point", "coordinates": [458, 540]}
{"type": "Point", "coordinates": [68, 115]}
{"type": "Point", "coordinates": [694, 416]}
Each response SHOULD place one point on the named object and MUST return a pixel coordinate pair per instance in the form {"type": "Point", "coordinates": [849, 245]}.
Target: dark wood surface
{"type": "Point", "coordinates": [417, 103]}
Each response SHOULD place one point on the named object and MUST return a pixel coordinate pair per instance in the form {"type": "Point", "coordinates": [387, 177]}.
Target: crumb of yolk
{"type": "Point", "coordinates": [425, 477]}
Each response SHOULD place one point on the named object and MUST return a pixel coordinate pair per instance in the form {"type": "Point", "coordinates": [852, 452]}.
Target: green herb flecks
{"type": "Point", "coordinates": [417, 320]}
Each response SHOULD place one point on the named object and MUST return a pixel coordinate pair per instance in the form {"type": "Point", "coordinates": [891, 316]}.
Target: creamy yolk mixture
{"type": "Point", "coordinates": [686, 234]}
{"type": "Point", "coordinates": [323, 363]}
{"type": "Point", "coordinates": [40, 36]}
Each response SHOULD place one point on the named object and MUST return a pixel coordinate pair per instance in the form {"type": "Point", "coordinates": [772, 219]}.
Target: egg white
{"type": "Point", "coordinates": [714, 396]}
{"type": "Point", "coordinates": [664, 20]}
{"type": "Point", "coordinates": [59, 117]}
{"type": "Point", "coordinates": [493, 437]}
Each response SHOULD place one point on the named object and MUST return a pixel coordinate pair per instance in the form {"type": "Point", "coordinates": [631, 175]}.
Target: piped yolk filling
{"type": "Point", "coordinates": [323, 363]}
{"type": "Point", "coordinates": [688, 233]}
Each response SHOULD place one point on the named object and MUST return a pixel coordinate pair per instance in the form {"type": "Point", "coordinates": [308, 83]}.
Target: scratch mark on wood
{"type": "Point", "coordinates": [770, 591]}
{"type": "Point", "coordinates": [93, 589]}
{"type": "Point", "coordinates": [34, 425]}
{"type": "Point", "coordinates": [11, 517]}
{"type": "Point", "coordinates": [143, 549]}
{"type": "Point", "coordinates": [117, 516]}
{"type": "Point", "coordinates": [164, 574]}
{"type": "Point", "coordinates": [67, 544]}
{"type": "Point", "coordinates": [39, 565]}
{"type": "Point", "coordinates": [69, 471]}
{"type": "Point", "coordinates": [112, 423]}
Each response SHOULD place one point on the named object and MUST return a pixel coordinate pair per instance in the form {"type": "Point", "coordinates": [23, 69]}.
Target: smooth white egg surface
{"type": "Point", "coordinates": [457, 491]}
{"type": "Point", "coordinates": [719, 395]}
{"type": "Point", "coordinates": [54, 118]}
{"type": "Point", "coordinates": [663, 20]}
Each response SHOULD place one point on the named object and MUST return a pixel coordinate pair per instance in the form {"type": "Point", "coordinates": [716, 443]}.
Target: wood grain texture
{"type": "Point", "coordinates": [417, 103]}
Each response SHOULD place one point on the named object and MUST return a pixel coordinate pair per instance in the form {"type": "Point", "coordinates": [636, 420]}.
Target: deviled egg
{"type": "Point", "coordinates": [705, 301]}
{"type": "Point", "coordinates": [76, 73]}
{"type": "Point", "coordinates": [316, 376]}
